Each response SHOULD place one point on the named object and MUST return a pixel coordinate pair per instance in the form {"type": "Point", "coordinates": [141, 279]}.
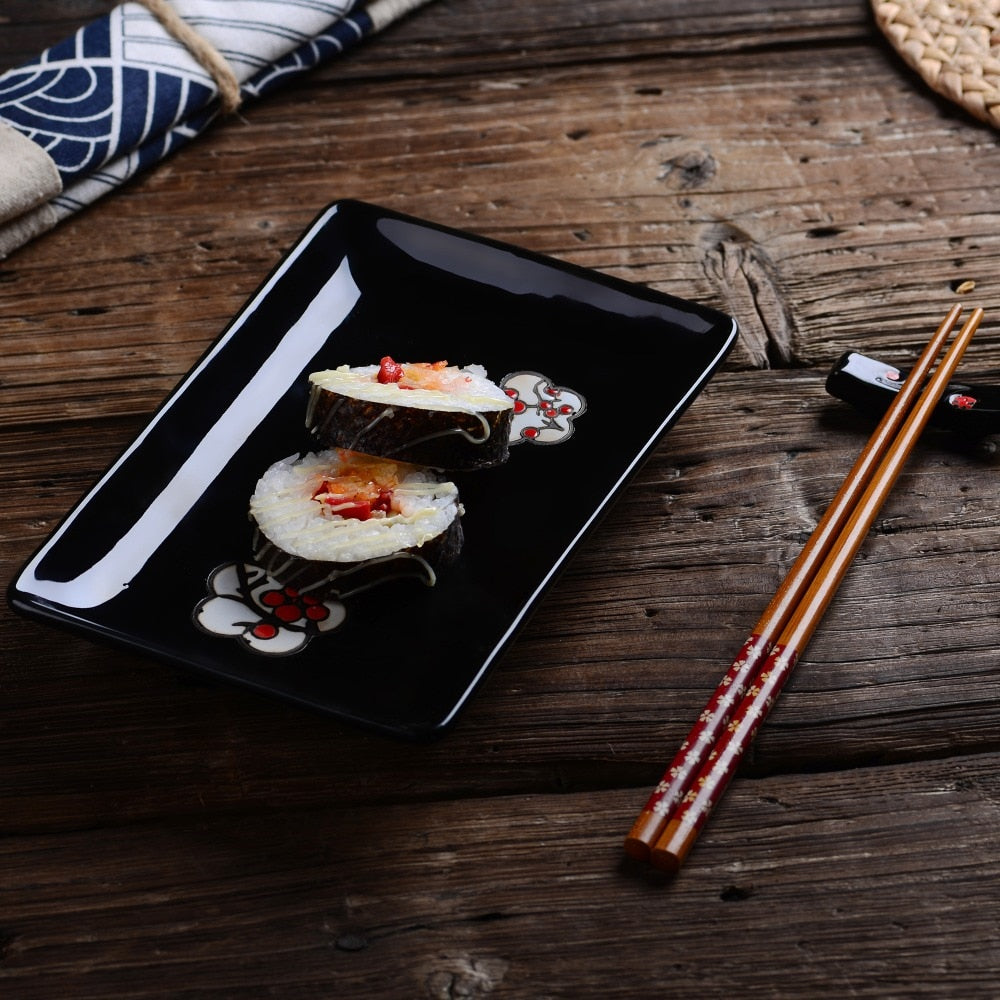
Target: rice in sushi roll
{"type": "Point", "coordinates": [431, 414]}
{"type": "Point", "coordinates": [336, 522]}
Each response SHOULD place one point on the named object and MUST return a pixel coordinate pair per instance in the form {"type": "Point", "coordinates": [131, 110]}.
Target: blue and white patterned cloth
{"type": "Point", "coordinates": [122, 93]}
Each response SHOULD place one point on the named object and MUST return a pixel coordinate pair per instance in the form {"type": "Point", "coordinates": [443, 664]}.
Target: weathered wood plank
{"type": "Point", "coordinates": [892, 895]}
{"type": "Point", "coordinates": [461, 36]}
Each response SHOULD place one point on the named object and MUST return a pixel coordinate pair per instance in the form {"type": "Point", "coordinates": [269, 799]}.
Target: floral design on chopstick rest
{"type": "Point", "coordinates": [544, 413]}
{"type": "Point", "coordinates": [247, 604]}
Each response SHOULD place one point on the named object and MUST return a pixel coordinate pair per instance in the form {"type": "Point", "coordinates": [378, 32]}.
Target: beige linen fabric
{"type": "Point", "coordinates": [28, 179]}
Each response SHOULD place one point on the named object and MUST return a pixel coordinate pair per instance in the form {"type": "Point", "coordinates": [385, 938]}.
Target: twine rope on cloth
{"type": "Point", "coordinates": [954, 45]}
{"type": "Point", "coordinates": [202, 49]}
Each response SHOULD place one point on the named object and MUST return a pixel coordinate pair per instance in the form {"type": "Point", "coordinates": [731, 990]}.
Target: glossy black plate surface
{"type": "Point", "coordinates": [155, 556]}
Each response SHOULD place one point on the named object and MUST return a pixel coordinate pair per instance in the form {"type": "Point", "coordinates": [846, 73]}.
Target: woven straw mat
{"type": "Point", "coordinates": [954, 46]}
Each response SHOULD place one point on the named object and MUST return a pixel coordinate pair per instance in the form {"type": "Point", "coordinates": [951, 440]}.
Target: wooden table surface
{"type": "Point", "coordinates": [164, 837]}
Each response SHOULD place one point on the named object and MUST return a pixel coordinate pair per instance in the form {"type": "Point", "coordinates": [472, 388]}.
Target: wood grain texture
{"type": "Point", "coordinates": [165, 837]}
{"type": "Point", "coordinates": [443, 899]}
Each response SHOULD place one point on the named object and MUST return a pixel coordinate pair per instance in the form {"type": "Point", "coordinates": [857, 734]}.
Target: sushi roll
{"type": "Point", "coordinates": [336, 522]}
{"type": "Point", "coordinates": [430, 414]}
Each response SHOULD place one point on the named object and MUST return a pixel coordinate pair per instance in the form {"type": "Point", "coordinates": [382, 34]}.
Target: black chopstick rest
{"type": "Point", "coordinates": [870, 385]}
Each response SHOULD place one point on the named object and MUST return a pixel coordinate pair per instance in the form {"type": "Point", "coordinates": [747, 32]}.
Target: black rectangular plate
{"type": "Point", "coordinates": [137, 560]}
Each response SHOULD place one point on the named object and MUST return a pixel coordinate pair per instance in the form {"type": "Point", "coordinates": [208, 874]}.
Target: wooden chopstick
{"type": "Point", "coordinates": [681, 832]}
{"type": "Point", "coordinates": [652, 820]}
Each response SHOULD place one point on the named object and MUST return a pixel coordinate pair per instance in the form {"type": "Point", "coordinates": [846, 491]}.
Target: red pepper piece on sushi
{"type": "Point", "coordinates": [360, 510]}
{"type": "Point", "coordinates": [389, 370]}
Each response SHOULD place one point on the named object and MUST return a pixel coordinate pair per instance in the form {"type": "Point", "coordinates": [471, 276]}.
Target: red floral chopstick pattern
{"type": "Point", "coordinates": [711, 723]}
{"type": "Point", "coordinates": [722, 762]}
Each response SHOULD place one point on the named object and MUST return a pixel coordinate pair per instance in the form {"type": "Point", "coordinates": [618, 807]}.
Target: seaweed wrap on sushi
{"type": "Point", "coordinates": [432, 414]}
{"type": "Point", "coordinates": [336, 522]}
